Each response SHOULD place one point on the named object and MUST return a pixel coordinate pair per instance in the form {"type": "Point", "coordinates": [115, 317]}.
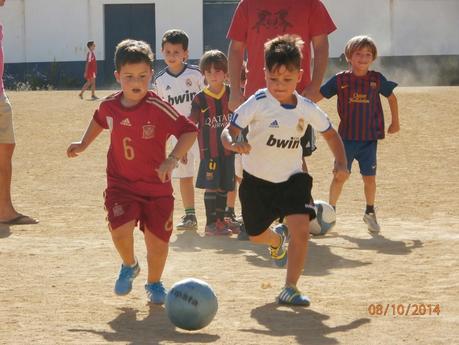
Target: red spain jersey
{"type": "Point", "coordinates": [210, 112]}
{"type": "Point", "coordinates": [138, 138]}
{"type": "Point", "coordinates": [92, 65]}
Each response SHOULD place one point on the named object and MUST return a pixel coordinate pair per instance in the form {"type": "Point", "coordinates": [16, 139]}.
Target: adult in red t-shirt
{"type": "Point", "coordinates": [256, 21]}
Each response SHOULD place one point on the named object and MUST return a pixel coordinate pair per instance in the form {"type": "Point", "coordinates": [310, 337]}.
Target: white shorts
{"type": "Point", "coordinates": [188, 169]}
{"type": "Point", "coordinates": [6, 121]}
{"type": "Point", "coordinates": [238, 165]}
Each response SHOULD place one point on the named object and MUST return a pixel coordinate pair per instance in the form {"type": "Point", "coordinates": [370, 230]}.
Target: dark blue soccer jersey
{"type": "Point", "coordinates": [211, 114]}
{"type": "Point", "coordinates": [359, 103]}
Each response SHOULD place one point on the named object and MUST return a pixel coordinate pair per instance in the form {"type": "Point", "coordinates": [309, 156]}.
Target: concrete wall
{"type": "Point", "coordinates": [57, 30]}
{"type": "Point", "coordinates": [399, 27]}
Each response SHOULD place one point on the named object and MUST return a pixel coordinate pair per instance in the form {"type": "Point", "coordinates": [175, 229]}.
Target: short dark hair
{"type": "Point", "coordinates": [132, 51]}
{"type": "Point", "coordinates": [89, 44]}
{"type": "Point", "coordinates": [175, 36]}
{"type": "Point", "coordinates": [284, 51]}
{"type": "Point", "coordinates": [214, 58]}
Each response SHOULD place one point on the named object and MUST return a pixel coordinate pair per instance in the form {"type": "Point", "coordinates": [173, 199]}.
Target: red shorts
{"type": "Point", "coordinates": [90, 75]}
{"type": "Point", "coordinates": [153, 213]}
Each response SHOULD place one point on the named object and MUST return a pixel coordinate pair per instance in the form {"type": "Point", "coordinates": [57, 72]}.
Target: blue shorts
{"type": "Point", "coordinates": [216, 173]}
{"type": "Point", "coordinates": [363, 152]}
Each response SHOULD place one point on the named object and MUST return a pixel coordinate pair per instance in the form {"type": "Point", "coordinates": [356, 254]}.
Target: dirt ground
{"type": "Point", "coordinates": [57, 277]}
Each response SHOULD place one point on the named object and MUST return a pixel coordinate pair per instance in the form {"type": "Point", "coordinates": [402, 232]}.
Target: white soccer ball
{"type": "Point", "coordinates": [325, 220]}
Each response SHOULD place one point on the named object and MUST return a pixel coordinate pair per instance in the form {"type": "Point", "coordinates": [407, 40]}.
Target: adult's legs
{"type": "Point", "coordinates": [7, 210]}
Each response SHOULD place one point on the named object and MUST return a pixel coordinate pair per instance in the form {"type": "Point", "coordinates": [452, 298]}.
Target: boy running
{"type": "Point", "coordinates": [361, 118]}
{"type": "Point", "coordinates": [277, 118]}
{"type": "Point", "coordinates": [138, 173]}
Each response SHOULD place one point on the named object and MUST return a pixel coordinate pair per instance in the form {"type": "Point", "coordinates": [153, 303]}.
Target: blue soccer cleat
{"type": "Point", "coordinates": [123, 284]}
{"type": "Point", "coordinates": [292, 296]}
{"type": "Point", "coordinates": [156, 293]}
{"type": "Point", "coordinates": [279, 254]}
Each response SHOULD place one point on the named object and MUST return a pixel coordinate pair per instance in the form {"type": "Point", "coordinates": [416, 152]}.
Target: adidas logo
{"type": "Point", "coordinates": [274, 124]}
{"type": "Point", "coordinates": [126, 122]}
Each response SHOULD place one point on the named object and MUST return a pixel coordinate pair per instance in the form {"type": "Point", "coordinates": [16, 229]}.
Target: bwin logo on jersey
{"type": "Point", "coordinates": [179, 99]}
{"type": "Point", "coordinates": [292, 143]}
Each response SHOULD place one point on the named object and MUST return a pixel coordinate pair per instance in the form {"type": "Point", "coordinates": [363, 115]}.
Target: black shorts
{"type": "Point", "coordinates": [308, 141]}
{"type": "Point", "coordinates": [216, 173]}
{"type": "Point", "coordinates": [262, 201]}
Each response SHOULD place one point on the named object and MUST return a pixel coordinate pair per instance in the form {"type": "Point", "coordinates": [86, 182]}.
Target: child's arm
{"type": "Point", "coordinates": [337, 148]}
{"type": "Point", "coordinates": [86, 67]}
{"type": "Point", "coordinates": [91, 133]}
{"type": "Point", "coordinates": [184, 143]}
{"type": "Point", "coordinates": [394, 127]}
{"type": "Point", "coordinates": [228, 137]}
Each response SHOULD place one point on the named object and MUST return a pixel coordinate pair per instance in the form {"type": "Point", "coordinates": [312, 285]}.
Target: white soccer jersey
{"type": "Point", "coordinates": [275, 133]}
{"type": "Point", "coordinates": [179, 90]}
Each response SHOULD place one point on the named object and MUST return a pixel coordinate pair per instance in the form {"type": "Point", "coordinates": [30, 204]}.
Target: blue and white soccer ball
{"type": "Point", "coordinates": [191, 304]}
{"type": "Point", "coordinates": [325, 220]}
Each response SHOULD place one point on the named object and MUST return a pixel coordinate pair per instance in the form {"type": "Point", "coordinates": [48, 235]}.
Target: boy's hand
{"type": "Point", "coordinates": [393, 128]}
{"type": "Point", "coordinates": [242, 148]}
{"type": "Point", "coordinates": [165, 169]}
{"type": "Point", "coordinates": [75, 148]}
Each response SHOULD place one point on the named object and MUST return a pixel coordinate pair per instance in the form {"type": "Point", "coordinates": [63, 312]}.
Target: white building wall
{"type": "Point", "coordinates": [48, 30]}
{"type": "Point", "coordinates": [399, 27]}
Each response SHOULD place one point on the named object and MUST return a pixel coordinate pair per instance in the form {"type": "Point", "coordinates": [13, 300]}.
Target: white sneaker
{"type": "Point", "coordinates": [370, 220]}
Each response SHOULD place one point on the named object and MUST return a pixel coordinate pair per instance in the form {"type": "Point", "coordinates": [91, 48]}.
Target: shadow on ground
{"type": "Point", "coordinates": [305, 324]}
{"type": "Point", "coordinates": [321, 260]}
{"type": "Point", "coordinates": [153, 329]}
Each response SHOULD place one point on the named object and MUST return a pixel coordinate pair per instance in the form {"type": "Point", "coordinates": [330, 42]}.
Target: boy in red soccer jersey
{"type": "Point", "coordinates": [209, 110]}
{"type": "Point", "coordinates": [90, 71]}
{"type": "Point", "coordinates": [362, 118]}
{"type": "Point", "coordinates": [138, 171]}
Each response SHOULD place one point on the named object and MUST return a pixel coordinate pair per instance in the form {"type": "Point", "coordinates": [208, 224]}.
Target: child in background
{"type": "Point", "coordinates": [277, 118]}
{"type": "Point", "coordinates": [138, 173]}
{"type": "Point", "coordinates": [178, 83]}
{"type": "Point", "coordinates": [90, 71]}
{"type": "Point", "coordinates": [361, 118]}
{"type": "Point", "coordinates": [209, 111]}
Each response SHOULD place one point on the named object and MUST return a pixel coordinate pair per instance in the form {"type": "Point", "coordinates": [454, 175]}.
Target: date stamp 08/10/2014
{"type": "Point", "coordinates": [404, 309]}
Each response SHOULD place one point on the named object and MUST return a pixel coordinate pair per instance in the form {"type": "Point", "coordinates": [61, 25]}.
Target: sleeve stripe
{"type": "Point", "coordinates": [165, 107]}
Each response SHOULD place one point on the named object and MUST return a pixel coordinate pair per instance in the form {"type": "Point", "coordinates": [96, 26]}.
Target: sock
{"type": "Point", "coordinates": [190, 211]}
{"type": "Point", "coordinates": [221, 205]}
{"type": "Point", "coordinates": [211, 205]}
{"type": "Point", "coordinates": [370, 209]}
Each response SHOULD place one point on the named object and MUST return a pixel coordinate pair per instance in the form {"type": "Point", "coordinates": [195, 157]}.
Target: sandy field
{"type": "Point", "coordinates": [57, 277]}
